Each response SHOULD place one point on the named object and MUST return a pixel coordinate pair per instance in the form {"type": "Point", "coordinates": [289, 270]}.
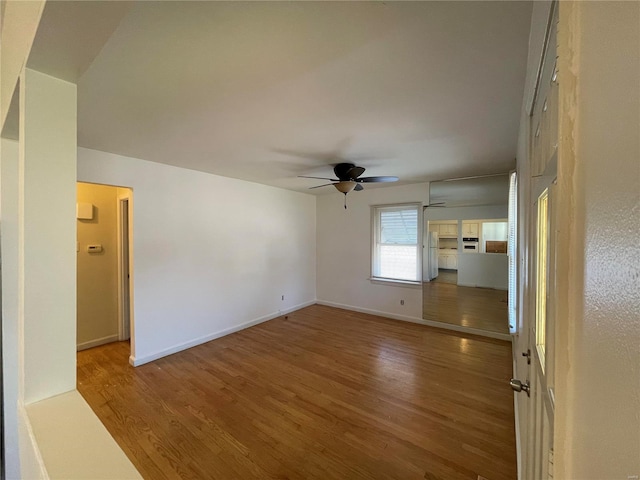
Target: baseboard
{"type": "Point", "coordinates": [494, 287]}
{"type": "Point", "coordinates": [137, 361]}
{"type": "Point", "coordinates": [97, 342]}
{"type": "Point", "coordinates": [421, 321]}
{"type": "Point", "coordinates": [394, 316]}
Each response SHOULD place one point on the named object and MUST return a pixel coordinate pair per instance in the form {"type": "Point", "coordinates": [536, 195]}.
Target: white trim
{"type": "Point", "coordinates": [122, 335]}
{"type": "Point", "coordinates": [137, 361]}
{"type": "Point", "coordinates": [375, 219]}
{"type": "Point", "coordinates": [475, 285]}
{"type": "Point", "coordinates": [421, 321]}
{"type": "Point", "coordinates": [97, 342]}
{"type": "Point", "coordinates": [394, 316]}
{"type": "Point", "coordinates": [543, 55]}
{"type": "Point", "coordinates": [396, 283]}
{"type": "Point", "coordinates": [73, 441]}
{"type": "Point", "coordinates": [30, 455]}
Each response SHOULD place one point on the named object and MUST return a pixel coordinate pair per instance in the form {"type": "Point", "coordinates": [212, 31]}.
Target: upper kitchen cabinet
{"type": "Point", "coordinates": [470, 230]}
{"type": "Point", "coordinates": [448, 230]}
{"type": "Point", "coordinates": [445, 229]}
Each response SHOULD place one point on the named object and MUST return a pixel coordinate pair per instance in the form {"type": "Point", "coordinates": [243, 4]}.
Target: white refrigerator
{"type": "Point", "coordinates": [432, 255]}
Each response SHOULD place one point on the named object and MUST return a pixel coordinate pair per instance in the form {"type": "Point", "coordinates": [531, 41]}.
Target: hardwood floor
{"type": "Point", "coordinates": [323, 394]}
{"type": "Point", "coordinates": [446, 276]}
{"type": "Point", "coordinates": [480, 308]}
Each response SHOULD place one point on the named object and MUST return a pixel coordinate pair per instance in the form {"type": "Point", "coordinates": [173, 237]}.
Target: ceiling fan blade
{"type": "Point", "coordinates": [325, 185]}
{"type": "Point", "coordinates": [320, 178]}
{"type": "Point", "coordinates": [355, 172]}
{"type": "Point", "coordinates": [358, 187]}
{"type": "Point", "coordinates": [377, 179]}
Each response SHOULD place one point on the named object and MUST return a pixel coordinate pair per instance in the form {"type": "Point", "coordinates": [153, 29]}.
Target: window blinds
{"type": "Point", "coordinates": [396, 254]}
{"type": "Point", "coordinates": [512, 251]}
{"type": "Point", "coordinates": [399, 227]}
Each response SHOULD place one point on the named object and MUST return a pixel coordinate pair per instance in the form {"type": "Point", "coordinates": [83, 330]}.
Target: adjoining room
{"type": "Point", "coordinates": [470, 239]}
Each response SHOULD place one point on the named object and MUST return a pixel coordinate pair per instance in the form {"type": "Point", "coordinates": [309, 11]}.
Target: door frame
{"type": "Point", "coordinates": [534, 177]}
{"type": "Point", "coordinates": [125, 259]}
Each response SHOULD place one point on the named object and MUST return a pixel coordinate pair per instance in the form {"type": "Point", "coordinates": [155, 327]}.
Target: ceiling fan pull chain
{"type": "Point", "coordinates": [345, 201]}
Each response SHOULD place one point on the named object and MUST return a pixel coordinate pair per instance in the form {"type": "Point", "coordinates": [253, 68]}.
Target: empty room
{"type": "Point", "coordinates": [318, 240]}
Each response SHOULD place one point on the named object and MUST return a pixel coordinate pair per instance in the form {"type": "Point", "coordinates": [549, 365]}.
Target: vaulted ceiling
{"type": "Point", "coordinates": [267, 91]}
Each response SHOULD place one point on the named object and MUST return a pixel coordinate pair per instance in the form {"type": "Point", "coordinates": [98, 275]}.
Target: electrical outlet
{"type": "Point", "coordinates": [401, 302]}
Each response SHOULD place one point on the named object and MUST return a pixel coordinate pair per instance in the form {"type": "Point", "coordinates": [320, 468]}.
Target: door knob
{"type": "Point", "coordinates": [518, 386]}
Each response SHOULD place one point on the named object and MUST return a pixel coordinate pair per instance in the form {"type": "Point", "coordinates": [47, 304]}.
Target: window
{"type": "Point", "coordinates": [541, 275]}
{"type": "Point", "coordinates": [494, 237]}
{"type": "Point", "coordinates": [396, 241]}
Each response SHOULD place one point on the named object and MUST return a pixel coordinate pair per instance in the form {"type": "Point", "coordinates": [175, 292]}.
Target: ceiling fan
{"type": "Point", "coordinates": [349, 179]}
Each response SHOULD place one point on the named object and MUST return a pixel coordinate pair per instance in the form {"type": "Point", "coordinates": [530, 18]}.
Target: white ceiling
{"type": "Point", "coordinates": [266, 91]}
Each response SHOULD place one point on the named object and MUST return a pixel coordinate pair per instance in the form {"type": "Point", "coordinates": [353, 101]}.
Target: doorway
{"type": "Point", "coordinates": [104, 260]}
{"type": "Point", "coordinates": [124, 271]}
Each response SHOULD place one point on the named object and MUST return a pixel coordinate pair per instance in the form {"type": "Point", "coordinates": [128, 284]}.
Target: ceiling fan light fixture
{"type": "Point", "coordinates": [345, 187]}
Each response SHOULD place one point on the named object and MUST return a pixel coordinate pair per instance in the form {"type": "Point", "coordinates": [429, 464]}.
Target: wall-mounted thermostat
{"type": "Point", "coordinates": [94, 248]}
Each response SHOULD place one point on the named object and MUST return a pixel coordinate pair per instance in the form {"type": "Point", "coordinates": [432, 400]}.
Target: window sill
{"type": "Point", "coordinates": [397, 283]}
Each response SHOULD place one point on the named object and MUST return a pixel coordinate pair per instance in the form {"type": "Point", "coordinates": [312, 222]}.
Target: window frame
{"type": "Point", "coordinates": [375, 233]}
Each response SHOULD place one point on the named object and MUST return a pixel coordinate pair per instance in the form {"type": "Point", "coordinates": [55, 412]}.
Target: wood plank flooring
{"type": "Point", "coordinates": [480, 308]}
{"type": "Point", "coordinates": [447, 276]}
{"type": "Point", "coordinates": [322, 394]}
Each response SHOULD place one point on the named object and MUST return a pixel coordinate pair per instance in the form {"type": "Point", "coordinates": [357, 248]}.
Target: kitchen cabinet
{"type": "Point", "coordinates": [470, 230]}
{"type": "Point", "coordinates": [448, 230]}
{"type": "Point", "coordinates": [448, 260]}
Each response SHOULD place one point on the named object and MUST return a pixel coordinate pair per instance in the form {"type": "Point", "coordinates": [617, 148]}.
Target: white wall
{"type": "Point", "coordinates": [20, 21]}
{"type": "Point", "coordinates": [344, 253]}
{"type": "Point", "coordinates": [210, 254]}
{"type": "Point", "coordinates": [598, 332]}
{"type": "Point", "coordinates": [10, 328]}
{"type": "Point", "coordinates": [47, 230]}
{"type": "Point", "coordinates": [468, 213]}
{"type": "Point", "coordinates": [488, 270]}
{"type": "Point", "coordinates": [38, 275]}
